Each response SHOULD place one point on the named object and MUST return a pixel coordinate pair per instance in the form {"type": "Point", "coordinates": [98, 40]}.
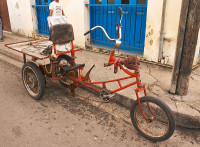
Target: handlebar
{"type": "Point", "coordinates": [104, 33]}
{"type": "Point", "coordinates": [112, 59]}
{"type": "Point", "coordinates": [87, 32]}
{"type": "Point", "coordinates": [119, 30]}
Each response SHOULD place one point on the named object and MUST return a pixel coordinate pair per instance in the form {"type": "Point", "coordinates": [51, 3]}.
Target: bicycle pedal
{"type": "Point", "coordinates": [105, 95]}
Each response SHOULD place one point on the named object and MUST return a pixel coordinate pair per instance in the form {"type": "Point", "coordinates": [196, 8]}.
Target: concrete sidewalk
{"type": "Point", "coordinates": [157, 79]}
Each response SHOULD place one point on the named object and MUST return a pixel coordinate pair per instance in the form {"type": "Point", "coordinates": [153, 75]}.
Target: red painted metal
{"type": "Point", "coordinates": [54, 48]}
{"type": "Point", "coordinates": [6, 45]}
{"type": "Point", "coordinates": [72, 51]}
{"type": "Point", "coordinates": [120, 85]}
{"type": "Point", "coordinates": [126, 86]}
{"type": "Point", "coordinates": [150, 109]}
{"type": "Point", "coordinates": [137, 90]}
{"type": "Point", "coordinates": [112, 80]}
{"type": "Point", "coordinates": [81, 80]}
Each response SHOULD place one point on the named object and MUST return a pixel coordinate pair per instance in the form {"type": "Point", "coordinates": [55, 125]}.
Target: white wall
{"type": "Point", "coordinates": [34, 30]}
{"type": "Point", "coordinates": [14, 13]}
{"type": "Point", "coordinates": [22, 17]}
{"type": "Point", "coordinates": [87, 20]}
{"type": "Point", "coordinates": [154, 14]}
{"type": "Point", "coordinates": [171, 30]}
{"type": "Point", "coordinates": [74, 10]}
{"type": "Point", "coordinates": [153, 25]}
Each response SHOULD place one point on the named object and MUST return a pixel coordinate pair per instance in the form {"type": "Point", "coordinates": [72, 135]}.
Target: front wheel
{"type": "Point", "coordinates": [159, 125]}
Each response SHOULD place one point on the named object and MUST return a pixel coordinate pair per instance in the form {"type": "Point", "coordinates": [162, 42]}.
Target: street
{"type": "Point", "coordinates": [59, 119]}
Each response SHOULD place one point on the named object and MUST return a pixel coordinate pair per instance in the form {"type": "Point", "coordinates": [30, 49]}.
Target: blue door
{"type": "Point", "coordinates": [42, 9]}
{"type": "Point", "coordinates": [105, 13]}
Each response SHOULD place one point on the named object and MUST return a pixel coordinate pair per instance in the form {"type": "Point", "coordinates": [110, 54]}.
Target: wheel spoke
{"type": "Point", "coordinates": [31, 81]}
{"type": "Point", "coordinates": [158, 124]}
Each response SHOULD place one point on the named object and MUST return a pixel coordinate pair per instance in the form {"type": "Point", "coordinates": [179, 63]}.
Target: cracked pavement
{"type": "Point", "coordinates": [58, 119]}
{"type": "Point", "coordinates": [156, 78]}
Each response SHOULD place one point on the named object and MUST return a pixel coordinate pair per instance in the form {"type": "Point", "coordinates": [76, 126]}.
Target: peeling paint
{"type": "Point", "coordinates": [17, 5]}
{"type": "Point", "coordinates": [14, 13]}
{"type": "Point", "coordinates": [152, 31]}
{"type": "Point", "coordinates": [154, 15]}
{"type": "Point", "coordinates": [151, 42]}
{"type": "Point", "coordinates": [168, 39]}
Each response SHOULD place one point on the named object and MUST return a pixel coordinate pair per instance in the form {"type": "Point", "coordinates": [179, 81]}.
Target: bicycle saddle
{"type": "Point", "coordinates": [130, 62]}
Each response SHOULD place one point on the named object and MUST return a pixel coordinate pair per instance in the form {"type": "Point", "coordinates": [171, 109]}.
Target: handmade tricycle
{"type": "Point", "coordinates": [150, 116]}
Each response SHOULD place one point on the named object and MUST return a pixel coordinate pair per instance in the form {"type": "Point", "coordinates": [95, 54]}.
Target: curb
{"type": "Point", "coordinates": [11, 55]}
{"type": "Point", "coordinates": [182, 120]}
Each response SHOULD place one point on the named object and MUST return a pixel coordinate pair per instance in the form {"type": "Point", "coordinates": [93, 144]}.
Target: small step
{"type": "Point", "coordinates": [68, 68]}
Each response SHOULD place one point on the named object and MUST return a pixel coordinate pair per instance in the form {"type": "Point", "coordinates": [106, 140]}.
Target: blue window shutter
{"type": "Point", "coordinates": [43, 2]}
{"type": "Point", "coordinates": [92, 1]}
{"type": "Point", "coordinates": [49, 1]}
{"type": "Point", "coordinates": [37, 2]}
{"type": "Point", "coordinates": [118, 1]}
{"type": "Point", "coordinates": [132, 1]}
{"type": "Point", "coordinates": [104, 1]}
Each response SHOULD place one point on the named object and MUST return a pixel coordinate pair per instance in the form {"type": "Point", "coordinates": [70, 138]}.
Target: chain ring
{"type": "Point", "coordinates": [104, 95]}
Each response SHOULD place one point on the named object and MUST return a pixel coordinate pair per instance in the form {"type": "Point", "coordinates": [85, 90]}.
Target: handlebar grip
{"type": "Point", "coordinates": [87, 32]}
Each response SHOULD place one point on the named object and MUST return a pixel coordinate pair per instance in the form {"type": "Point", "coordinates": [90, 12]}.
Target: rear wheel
{"type": "Point", "coordinates": [160, 125]}
{"type": "Point", "coordinates": [65, 60]}
{"type": "Point", "coordinates": [33, 80]}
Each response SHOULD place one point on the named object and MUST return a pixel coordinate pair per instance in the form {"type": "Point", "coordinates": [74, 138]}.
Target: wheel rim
{"type": "Point", "coordinates": [31, 81]}
{"type": "Point", "coordinates": [158, 124]}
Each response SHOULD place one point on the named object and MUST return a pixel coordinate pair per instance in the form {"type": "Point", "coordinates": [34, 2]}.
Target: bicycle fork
{"type": "Point", "coordinates": [139, 89]}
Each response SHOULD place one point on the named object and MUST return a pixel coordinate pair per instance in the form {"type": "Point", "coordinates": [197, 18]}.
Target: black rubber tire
{"type": "Point", "coordinates": [39, 77]}
{"type": "Point", "coordinates": [166, 110]}
{"type": "Point", "coordinates": [68, 59]}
